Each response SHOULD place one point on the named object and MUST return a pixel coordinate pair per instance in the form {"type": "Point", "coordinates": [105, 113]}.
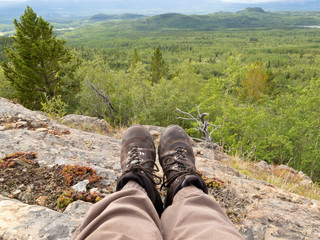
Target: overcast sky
{"type": "Point", "coordinates": [265, 1]}
{"type": "Point", "coordinates": [235, 1]}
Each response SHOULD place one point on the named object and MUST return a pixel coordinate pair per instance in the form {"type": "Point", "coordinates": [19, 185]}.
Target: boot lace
{"type": "Point", "coordinates": [177, 162]}
{"type": "Point", "coordinates": [136, 164]}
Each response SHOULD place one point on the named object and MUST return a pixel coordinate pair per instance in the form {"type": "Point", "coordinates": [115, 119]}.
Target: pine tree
{"type": "Point", "coordinates": [157, 66]}
{"type": "Point", "coordinates": [39, 64]}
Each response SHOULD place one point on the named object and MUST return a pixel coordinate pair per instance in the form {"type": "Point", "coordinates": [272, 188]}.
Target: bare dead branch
{"type": "Point", "coordinates": [98, 114]}
{"type": "Point", "coordinates": [198, 139]}
{"type": "Point", "coordinates": [246, 156]}
{"type": "Point", "coordinates": [187, 118]}
{"type": "Point", "coordinates": [192, 117]}
{"type": "Point", "coordinates": [104, 98]}
{"type": "Point", "coordinates": [202, 124]}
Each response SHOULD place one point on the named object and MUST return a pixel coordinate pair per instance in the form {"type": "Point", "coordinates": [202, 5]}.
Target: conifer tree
{"type": "Point", "coordinates": [39, 64]}
{"type": "Point", "coordinates": [157, 66]}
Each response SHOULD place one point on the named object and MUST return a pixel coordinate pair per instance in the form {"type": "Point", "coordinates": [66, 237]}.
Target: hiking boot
{"type": "Point", "coordinates": [178, 163]}
{"type": "Point", "coordinates": [138, 155]}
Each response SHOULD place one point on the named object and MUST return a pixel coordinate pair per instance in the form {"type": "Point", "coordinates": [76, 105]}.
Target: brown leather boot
{"type": "Point", "coordinates": [178, 163]}
{"type": "Point", "coordinates": [138, 155]}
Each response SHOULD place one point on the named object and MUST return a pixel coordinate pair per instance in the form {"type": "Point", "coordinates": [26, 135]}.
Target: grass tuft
{"type": "Point", "coordinates": [280, 178]}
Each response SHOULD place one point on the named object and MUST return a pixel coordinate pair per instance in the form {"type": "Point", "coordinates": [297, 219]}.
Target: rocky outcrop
{"type": "Point", "coordinates": [258, 209]}
{"type": "Point", "coordinates": [88, 124]}
{"type": "Point", "coordinates": [23, 221]}
{"type": "Point", "coordinates": [54, 143]}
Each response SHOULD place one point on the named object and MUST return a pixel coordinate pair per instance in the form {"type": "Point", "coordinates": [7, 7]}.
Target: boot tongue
{"type": "Point", "coordinates": [181, 149]}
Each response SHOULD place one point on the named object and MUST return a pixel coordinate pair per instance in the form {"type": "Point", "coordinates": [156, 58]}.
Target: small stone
{"type": "Point", "coordinates": [42, 200]}
{"type": "Point", "coordinates": [2, 180]}
{"type": "Point", "coordinates": [30, 188]}
{"type": "Point", "coordinates": [25, 197]}
{"type": "Point", "coordinates": [16, 193]}
{"type": "Point", "coordinates": [2, 128]}
{"type": "Point", "coordinates": [81, 186]}
{"type": "Point", "coordinates": [21, 124]}
{"type": "Point", "coordinates": [21, 186]}
{"type": "Point", "coordinates": [77, 209]}
{"type": "Point", "coordinates": [263, 165]}
{"type": "Point", "coordinates": [41, 129]}
{"type": "Point", "coordinates": [48, 187]}
{"type": "Point", "coordinates": [103, 172]}
{"type": "Point", "coordinates": [106, 182]}
{"type": "Point", "coordinates": [6, 194]}
{"type": "Point", "coordinates": [94, 190]}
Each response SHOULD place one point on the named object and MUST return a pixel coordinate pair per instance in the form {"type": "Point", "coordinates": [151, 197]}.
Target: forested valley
{"type": "Point", "coordinates": [258, 80]}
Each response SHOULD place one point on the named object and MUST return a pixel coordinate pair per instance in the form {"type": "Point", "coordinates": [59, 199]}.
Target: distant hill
{"type": "Point", "coordinates": [4, 43]}
{"type": "Point", "coordinates": [253, 10]}
{"type": "Point", "coordinates": [169, 20]}
{"type": "Point", "coordinates": [53, 9]}
{"type": "Point", "coordinates": [125, 16]}
{"type": "Point", "coordinates": [248, 18]}
{"type": "Point", "coordinates": [176, 21]}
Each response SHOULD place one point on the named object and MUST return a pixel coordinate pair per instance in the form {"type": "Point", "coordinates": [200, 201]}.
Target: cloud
{"type": "Point", "coordinates": [12, 1]}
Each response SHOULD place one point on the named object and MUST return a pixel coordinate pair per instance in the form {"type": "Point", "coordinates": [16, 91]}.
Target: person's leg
{"type": "Point", "coordinates": [133, 211]}
{"type": "Point", "coordinates": [190, 213]}
{"type": "Point", "coordinates": [126, 214]}
{"type": "Point", "coordinates": [194, 215]}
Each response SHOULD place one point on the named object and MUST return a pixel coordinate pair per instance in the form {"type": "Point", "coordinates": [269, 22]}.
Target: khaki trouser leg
{"type": "Point", "coordinates": [194, 215]}
{"type": "Point", "coordinates": [127, 214]}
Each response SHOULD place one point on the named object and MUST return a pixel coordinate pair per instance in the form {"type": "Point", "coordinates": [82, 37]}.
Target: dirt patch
{"type": "Point", "coordinates": [21, 177]}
